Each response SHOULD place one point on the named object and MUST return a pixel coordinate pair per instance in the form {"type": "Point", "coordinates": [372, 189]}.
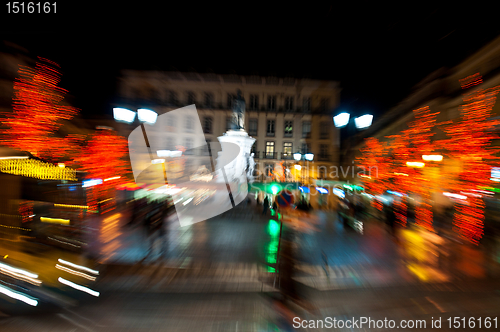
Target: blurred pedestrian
{"type": "Point", "coordinates": [390, 218]}
{"type": "Point", "coordinates": [265, 206]}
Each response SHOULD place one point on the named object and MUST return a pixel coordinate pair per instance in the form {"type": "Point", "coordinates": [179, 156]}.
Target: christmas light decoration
{"type": "Point", "coordinates": [37, 169]}
{"type": "Point", "coordinates": [470, 140]}
{"type": "Point", "coordinates": [37, 112]}
{"type": "Point", "coordinates": [103, 158]}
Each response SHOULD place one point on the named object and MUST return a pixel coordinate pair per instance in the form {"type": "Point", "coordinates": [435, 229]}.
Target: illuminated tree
{"type": "Point", "coordinates": [470, 140]}
{"type": "Point", "coordinates": [374, 163]}
{"type": "Point", "coordinates": [103, 158]}
{"type": "Point", "coordinates": [38, 111]}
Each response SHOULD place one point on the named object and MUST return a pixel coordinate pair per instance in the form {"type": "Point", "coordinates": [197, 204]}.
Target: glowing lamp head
{"type": "Point", "coordinates": [364, 121]}
{"type": "Point", "coordinates": [123, 114]}
{"type": "Point", "coordinates": [415, 164]}
{"type": "Point", "coordinates": [275, 189]}
{"type": "Point", "coordinates": [432, 157]}
{"type": "Point", "coordinates": [309, 156]}
{"type": "Point", "coordinates": [297, 156]}
{"type": "Point", "coordinates": [341, 120]}
{"type": "Point", "coordinates": [147, 116]}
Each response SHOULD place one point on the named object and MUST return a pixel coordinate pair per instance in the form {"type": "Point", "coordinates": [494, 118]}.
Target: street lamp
{"type": "Point", "coordinates": [125, 115]}
{"type": "Point", "coordinates": [144, 115]}
{"type": "Point", "coordinates": [342, 120]}
{"type": "Point", "coordinates": [306, 156]}
{"type": "Point", "coordinates": [361, 122]}
{"type": "Point", "coordinates": [364, 121]}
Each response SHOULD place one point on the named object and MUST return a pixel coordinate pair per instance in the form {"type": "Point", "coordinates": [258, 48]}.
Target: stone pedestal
{"type": "Point", "coordinates": [233, 161]}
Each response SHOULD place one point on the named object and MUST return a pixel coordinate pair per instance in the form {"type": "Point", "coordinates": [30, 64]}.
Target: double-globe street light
{"type": "Point", "coordinates": [298, 157]}
{"type": "Point", "coordinates": [144, 115]}
{"type": "Point", "coordinates": [342, 120]}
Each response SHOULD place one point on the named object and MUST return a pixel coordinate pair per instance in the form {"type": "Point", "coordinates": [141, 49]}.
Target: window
{"type": "Point", "coordinates": [209, 100]}
{"type": "Point", "coordinates": [270, 128]}
{"type": "Point", "coordinates": [271, 103]}
{"type": "Point", "coordinates": [254, 149]}
{"type": "Point", "coordinates": [207, 124]}
{"type": "Point", "coordinates": [191, 98]}
{"type": "Point", "coordinates": [230, 100]}
{"type": "Point", "coordinates": [322, 172]}
{"type": "Point", "coordinates": [305, 148]}
{"type": "Point", "coordinates": [306, 104]}
{"type": "Point", "coordinates": [323, 151]}
{"type": "Point", "coordinates": [287, 150]}
{"type": "Point", "coordinates": [229, 122]}
{"type": "Point", "coordinates": [324, 132]}
{"type": "Point", "coordinates": [254, 102]}
{"type": "Point", "coordinates": [189, 123]}
{"type": "Point", "coordinates": [288, 128]}
{"type": "Point", "coordinates": [269, 169]}
{"type": "Point", "coordinates": [289, 104]}
{"type": "Point", "coordinates": [188, 145]}
{"type": "Point", "coordinates": [270, 150]}
{"type": "Point", "coordinates": [172, 98]}
{"type": "Point", "coordinates": [323, 104]}
{"type": "Point", "coordinates": [252, 126]}
{"type": "Point", "coordinates": [171, 123]}
{"type": "Point", "coordinates": [306, 129]}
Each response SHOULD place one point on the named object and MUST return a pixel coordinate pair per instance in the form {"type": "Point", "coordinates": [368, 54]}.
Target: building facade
{"type": "Point", "coordinates": [284, 115]}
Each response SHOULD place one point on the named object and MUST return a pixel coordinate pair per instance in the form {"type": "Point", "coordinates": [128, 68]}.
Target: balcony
{"type": "Point", "coordinates": [270, 155]}
{"type": "Point", "coordinates": [286, 156]}
{"type": "Point", "coordinates": [270, 134]}
{"type": "Point", "coordinates": [323, 157]}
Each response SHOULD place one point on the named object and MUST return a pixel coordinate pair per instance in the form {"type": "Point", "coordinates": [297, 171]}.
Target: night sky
{"type": "Point", "coordinates": [377, 52]}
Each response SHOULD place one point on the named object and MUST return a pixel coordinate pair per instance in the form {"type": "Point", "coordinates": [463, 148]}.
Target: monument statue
{"type": "Point", "coordinates": [238, 113]}
{"type": "Point", "coordinates": [251, 166]}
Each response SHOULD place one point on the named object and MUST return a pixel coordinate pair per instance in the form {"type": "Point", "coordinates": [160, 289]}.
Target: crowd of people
{"type": "Point", "coordinates": [151, 218]}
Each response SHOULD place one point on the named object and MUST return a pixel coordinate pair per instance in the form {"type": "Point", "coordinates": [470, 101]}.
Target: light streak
{"type": "Point", "coordinates": [79, 267]}
{"type": "Point", "coordinates": [76, 273]}
{"type": "Point", "coordinates": [55, 220]}
{"type": "Point", "coordinates": [18, 296]}
{"type": "Point", "coordinates": [78, 287]}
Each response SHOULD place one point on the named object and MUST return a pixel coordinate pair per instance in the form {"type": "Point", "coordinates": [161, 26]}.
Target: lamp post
{"type": "Point", "coordinates": [342, 120]}
{"type": "Point", "coordinates": [144, 115]}
{"type": "Point", "coordinates": [306, 156]}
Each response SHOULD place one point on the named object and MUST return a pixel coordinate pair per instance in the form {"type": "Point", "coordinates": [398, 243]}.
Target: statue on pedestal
{"type": "Point", "coordinates": [238, 113]}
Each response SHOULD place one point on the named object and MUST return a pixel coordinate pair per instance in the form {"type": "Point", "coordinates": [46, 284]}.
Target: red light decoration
{"type": "Point", "coordinates": [470, 81]}
{"type": "Point", "coordinates": [103, 158]}
{"type": "Point", "coordinates": [37, 111]}
{"type": "Point", "coordinates": [373, 158]}
{"type": "Point", "coordinates": [470, 140]}
{"type": "Point", "coordinates": [26, 211]}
